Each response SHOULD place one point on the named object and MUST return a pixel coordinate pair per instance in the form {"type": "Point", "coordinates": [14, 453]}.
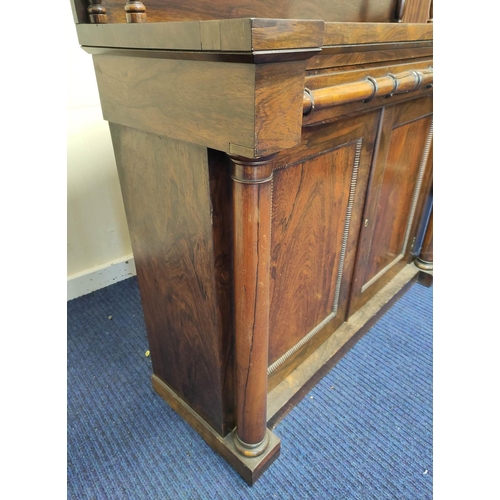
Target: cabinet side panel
{"type": "Point", "coordinates": [165, 187]}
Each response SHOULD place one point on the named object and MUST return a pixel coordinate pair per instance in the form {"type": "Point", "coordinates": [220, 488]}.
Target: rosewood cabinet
{"type": "Point", "coordinates": [274, 161]}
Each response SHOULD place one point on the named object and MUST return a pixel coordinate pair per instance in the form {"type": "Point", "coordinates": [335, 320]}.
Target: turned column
{"type": "Point", "coordinates": [252, 248]}
{"type": "Point", "coordinates": [97, 13]}
{"type": "Point", "coordinates": [135, 12]}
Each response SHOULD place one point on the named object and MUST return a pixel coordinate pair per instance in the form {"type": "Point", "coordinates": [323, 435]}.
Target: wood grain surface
{"type": "Point", "coordinates": [165, 187]}
{"type": "Point", "coordinates": [395, 190]}
{"type": "Point", "coordinates": [417, 11]}
{"type": "Point", "coordinates": [243, 109]}
{"type": "Point", "coordinates": [251, 237]}
{"type": "Point", "coordinates": [182, 10]}
{"type": "Point", "coordinates": [380, 53]}
{"type": "Point", "coordinates": [227, 35]}
{"type": "Point", "coordinates": [318, 195]}
{"type": "Point", "coordinates": [209, 103]}
{"type": "Point", "coordinates": [352, 33]}
{"type": "Point", "coordinates": [341, 76]}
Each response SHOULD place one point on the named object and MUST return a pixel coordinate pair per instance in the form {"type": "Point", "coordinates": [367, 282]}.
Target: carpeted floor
{"type": "Point", "coordinates": [364, 432]}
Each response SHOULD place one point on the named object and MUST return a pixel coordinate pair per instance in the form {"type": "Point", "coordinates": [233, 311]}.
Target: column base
{"type": "Point", "coordinates": [249, 468]}
{"type": "Point", "coordinates": [251, 450]}
{"type": "Point", "coordinates": [423, 264]}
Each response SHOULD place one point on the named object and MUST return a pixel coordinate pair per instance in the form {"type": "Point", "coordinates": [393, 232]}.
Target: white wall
{"type": "Point", "coordinates": [99, 251]}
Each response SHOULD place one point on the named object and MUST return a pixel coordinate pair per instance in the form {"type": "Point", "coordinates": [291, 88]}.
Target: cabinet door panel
{"type": "Point", "coordinates": [317, 202]}
{"type": "Point", "coordinates": [392, 199]}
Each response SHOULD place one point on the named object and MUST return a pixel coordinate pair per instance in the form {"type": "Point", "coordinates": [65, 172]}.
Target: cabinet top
{"type": "Point", "coordinates": [248, 35]}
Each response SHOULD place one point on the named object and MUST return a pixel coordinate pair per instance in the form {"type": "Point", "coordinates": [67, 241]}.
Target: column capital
{"type": "Point", "coordinates": [252, 170]}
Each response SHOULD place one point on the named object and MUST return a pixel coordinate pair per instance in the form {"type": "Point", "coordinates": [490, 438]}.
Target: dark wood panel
{"type": "Point", "coordinates": [279, 94]}
{"type": "Point", "coordinates": [394, 198]}
{"type": "Point", "coordinates": [217, 98]}
{"type": "Point", "coordinates": [165, 187]}
{"type": "Point", "coordinates": [358, 33]}
{"type": "Point", "coordinates": [318, 197]}
{"type": "Point", "coordinates": [276, 34]}
{"type": "Point", "coordinates": [310, 202]}
{"type": "Point", "coordinates": [417, 11]}
{"type": "Point", "coordinates": [182, 10]}
{"type": "Point", "coordinates": [390, 229]}
{"type": "Point", "coordinates": [243, 109]}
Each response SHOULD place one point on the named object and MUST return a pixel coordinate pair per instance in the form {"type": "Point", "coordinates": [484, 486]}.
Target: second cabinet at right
{"type": "Point", "coordinates": [400, 175]}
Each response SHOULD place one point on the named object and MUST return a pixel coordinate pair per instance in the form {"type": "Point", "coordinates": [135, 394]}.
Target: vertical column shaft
{"type": "Point", "coordinates": [252, 248]}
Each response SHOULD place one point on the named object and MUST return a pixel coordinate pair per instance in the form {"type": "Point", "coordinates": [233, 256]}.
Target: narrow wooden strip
{"type": "Point", "coordinates": [210, 35]}
{"type": "Point", "coordinates": [341, 58]}
{"type": "Point", "coordinates": [275, 34]}
{"type": "Point", "coordinates": [358, 33]}
{"type": "Point", "coordinates": [235, 34]}
{"type": "Point", "coordinates": [167, 36]}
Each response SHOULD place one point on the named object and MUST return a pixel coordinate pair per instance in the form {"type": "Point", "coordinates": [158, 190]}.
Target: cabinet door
{"type": "Point", "coordinates": [317, 202]}
{"type": "Point", "coordinates": [393, 200]}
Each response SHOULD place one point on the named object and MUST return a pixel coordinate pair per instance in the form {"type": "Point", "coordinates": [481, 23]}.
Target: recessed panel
{"type": "Point", "coordinates": [310, 211]}
{"type": "Point", "coordinates": [391, 219]}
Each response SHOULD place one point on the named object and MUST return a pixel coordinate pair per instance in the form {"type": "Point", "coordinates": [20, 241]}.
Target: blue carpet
{"type": "Point", "coordinates": [364, 432]}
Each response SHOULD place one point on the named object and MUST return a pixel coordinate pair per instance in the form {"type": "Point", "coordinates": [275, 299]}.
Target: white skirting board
{"type": "Point", "coordinates": [100, 277]}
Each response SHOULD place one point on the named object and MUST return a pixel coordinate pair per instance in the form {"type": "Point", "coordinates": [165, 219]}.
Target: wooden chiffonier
{"type": "Point", "coordinates": [275, 164]}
